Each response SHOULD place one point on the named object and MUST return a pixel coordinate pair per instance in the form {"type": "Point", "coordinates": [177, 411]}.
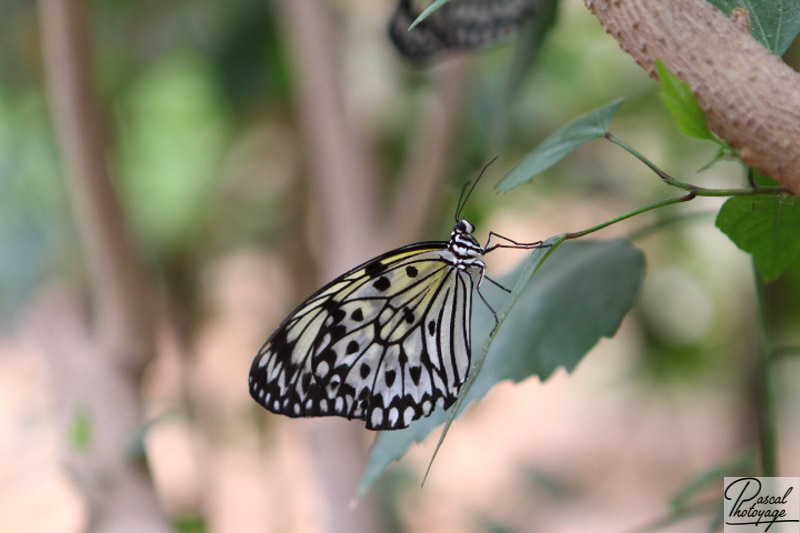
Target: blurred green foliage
{"type": "Point", "coordinates": [173, 135]}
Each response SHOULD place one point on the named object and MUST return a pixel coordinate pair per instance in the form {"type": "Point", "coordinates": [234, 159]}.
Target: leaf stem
{"type": "Point", "coordinates": [699, 191]}
{"type": "Point", "coordinates": [670, 201]}
{"type": "Point", "coordinates": [644, 231]}
{"type": "Point", "coordinates": [765, 387]}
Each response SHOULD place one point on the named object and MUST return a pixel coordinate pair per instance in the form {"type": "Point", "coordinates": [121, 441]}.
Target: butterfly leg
{"type": "Point", "coordinates": [485, 301]}
{"type": "Point", "coordinates": [513, 244]}
{"type": "Point", "coordinates": [497, 284]}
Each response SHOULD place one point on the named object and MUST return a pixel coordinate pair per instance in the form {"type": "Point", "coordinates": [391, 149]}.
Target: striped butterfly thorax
{"type": "Point", "coordinates": [384, 342]}
{"type": "Point", "coordinates": [457, 25]}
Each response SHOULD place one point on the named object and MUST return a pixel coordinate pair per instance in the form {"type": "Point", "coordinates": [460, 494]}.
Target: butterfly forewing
{"type": "Point", "coordinates": [384, 342]}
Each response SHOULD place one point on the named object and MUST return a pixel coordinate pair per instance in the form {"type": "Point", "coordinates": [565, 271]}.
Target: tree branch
{"type": "Point", "coordinates": [122, 307]}
{"type": "Point", "coordinates": [345, 191]}
{"type": "Point", "coordinates": [342, 184]}
{"type": "Point", "coordinates": [96, 370]}
{"type": "Point", "coordinates": [431, 148]}
{"type": "Point", "coordinates": [750, 97]}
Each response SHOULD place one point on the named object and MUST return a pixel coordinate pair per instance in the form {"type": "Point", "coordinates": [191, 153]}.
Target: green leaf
{"type": "Point", "coordinates": [768, 227]}
{"type": "Point", "coordinates": [762, 180]}
{"type": "Point", "coordinates": [580, 294]}
{"type": "Point", "coordinates": [580, 131]}
{"type": "Point", "coordinates": [80, 432]}
{"type": "Point", "coordinates": [427, 13]}
{"type": "Point", "coordinates": [773, 23]}
{"type": "Point", "coordinates": [677, 95]}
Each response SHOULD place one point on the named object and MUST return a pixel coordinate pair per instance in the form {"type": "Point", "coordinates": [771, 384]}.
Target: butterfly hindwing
{"type": "Point", "coordinates": [384, 342]}
{"type": "Point", "coordinates": [457, 25]}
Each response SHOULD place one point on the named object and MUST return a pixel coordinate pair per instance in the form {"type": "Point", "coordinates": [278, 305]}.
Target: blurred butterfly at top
{"type": "Point", "coordinates": [384, 342]}
{"type": "Point", "coordinates": [457, 25]}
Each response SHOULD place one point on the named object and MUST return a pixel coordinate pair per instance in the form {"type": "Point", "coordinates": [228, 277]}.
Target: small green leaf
{"type": "Point", "coordinates": [762, 180]}
{"type": "Point", "coordinates": [768, 227]}
{"type": "Point", "coordinates": [773, 23]}
{"type": "Point", "coordinates": [80, 433]}
{"type": "Point", "coordinates": [724, 153]}
{"type": "Point", "coordinates": [580, 294]}
{"type": "Point", "coordinates": [677, 95]}
{"type": "Point", "coordinates": [580, 131]}
{"type": "Point", "coordinates": [427, 13]}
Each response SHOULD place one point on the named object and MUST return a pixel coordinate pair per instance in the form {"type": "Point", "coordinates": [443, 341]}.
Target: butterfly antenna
{"type": "Point", "coordinates": [461, 203]}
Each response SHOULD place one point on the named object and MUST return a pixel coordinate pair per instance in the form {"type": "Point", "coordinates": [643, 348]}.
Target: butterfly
{"type": "Point", "coordinates": [458, 24]}
{"type": "Point", "coordinates": [385, 342]}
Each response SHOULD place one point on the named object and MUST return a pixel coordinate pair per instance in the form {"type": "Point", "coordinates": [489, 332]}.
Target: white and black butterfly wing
{"type": "Point", "coordinates": [383, 343]}
{"type": "Point", "coordinates": [457, 25]}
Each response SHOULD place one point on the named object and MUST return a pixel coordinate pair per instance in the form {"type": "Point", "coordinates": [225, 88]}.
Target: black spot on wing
{"type": "Point", "coordinates": [411, 271]}
{"type": "Point", "coordinates": [390, 377]}
{"type": "Point", "coordinates": [432, 327]}
{"type": "Point", "coordinates": [382, 283]}
{"type": "Point", "coordinates": [374, 269]}
{"type": "Point", "coordinates": [327, 355]}
{"type": "Point", "coordinates": [338, 315]}
{"type": "Point", "coordinates": [408, 315]}
{"type": "Point", "coordinates": [337, 333]}
{"type": "Point", "coordinates": [364, 370]}
{"type": "Point", "coordinates": [352, 347]}
{"type": "Point", "coordinates": [357, 315]}
{"type": "Point", "coordinates": [346, 390]}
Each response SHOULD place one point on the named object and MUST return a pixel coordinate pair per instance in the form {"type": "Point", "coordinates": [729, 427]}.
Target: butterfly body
{"type": "Point", "coordinates": [384, 342]}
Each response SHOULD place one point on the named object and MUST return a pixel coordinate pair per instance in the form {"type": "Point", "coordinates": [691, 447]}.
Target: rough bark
{"type": "Point", "coordinates": [750, 97]}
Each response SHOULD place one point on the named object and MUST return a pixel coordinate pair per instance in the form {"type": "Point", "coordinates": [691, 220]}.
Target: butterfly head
{"type": "Point", "coordinates": [462, 243]}
{"type": "Point", "coordinates": [464, 226]}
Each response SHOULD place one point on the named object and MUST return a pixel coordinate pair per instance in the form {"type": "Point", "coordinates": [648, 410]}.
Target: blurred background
{"type": "Point", "coordinates": [258, 149]}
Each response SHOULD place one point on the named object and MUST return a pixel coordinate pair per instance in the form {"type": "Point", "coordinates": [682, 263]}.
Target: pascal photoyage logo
{"type": "Point", "coordinates": [762, 504]}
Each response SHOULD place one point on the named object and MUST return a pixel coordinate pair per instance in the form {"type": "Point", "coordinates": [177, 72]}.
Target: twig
{"type": "Point", "coordinates": [699, 191]}
{"type": "Point", "coordinates": [656, 205]}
